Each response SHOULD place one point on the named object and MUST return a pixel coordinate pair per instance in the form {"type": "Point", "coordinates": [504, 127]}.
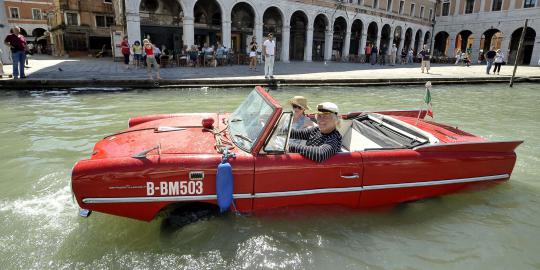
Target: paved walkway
{"type": "Point", "coordinates": [89, 71]}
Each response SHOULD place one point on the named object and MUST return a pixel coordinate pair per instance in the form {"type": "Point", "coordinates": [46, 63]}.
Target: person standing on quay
{"type": "Point", "coordinates": [269, 49]}
{"type": "Point", "coordinates": [424, 53]}
{"type": "Point", "coordinates": [253, 54]}
{"type": "Point", "coordinates": [382, 55]}
{"type": "Point", "coordinates": [149, 50]}
{"type": "Point", "coordinates": [126, 52]}
{"type": "Point", "coordinates": [490, 56]}
{"type": "Point", "coordinates": [17, 44]}
{"type": "Point", "coordinates": [367, 52]}
{"type": "Point", "coordinates": [374, 52]}
{"type": "Point", "coordinates": [410, 56]}
{"type": "Point", "coordinates": [499, 60]}
{"type": "Point", "coordinates": [393, 52]}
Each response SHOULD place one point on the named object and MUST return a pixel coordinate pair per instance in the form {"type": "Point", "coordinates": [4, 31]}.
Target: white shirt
{"type": "Point", "coordinates": [270, 47]}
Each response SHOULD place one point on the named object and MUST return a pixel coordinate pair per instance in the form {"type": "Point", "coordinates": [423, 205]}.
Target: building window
{"type": "Point", "coordinates": [496, 5]}
{"type": "Point", "coordinates": [36, 14]}
{"type": "Point", "coordinates": [360, 2]}
{"type": "Point", "coordinates": [529, 3]}
{"type": "Point", "coordinates": [375, 3]}
{"type": "Point", "coordinates": [72, 18]}
{"type": "Point", "coordinates": [430, 14]}
{"type": "Point", "coordinates": [401, 5]}
{"type": "Point", "coordinates": [104, 21]}
{"type": "Point", "coordinates": [413, 6]}
{"type": "Point", "coordinates": [107, 1]}
{"type": "Point", "coordinates": [445, 8]}
{"type": "Point", "coordinates": [469, 5]}
{"type": "Point", "coordinates": [421, 12]}
{"type": "Point", "coordinates": [14, 12]}
{"type": "Point", "coordinates": [389, 6]}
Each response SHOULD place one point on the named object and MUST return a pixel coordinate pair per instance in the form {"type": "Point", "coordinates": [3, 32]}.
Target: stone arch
{"type": "Point", "coordinates": [372, 33]}
{"type": "Point", "coordinates": [299, 22]}
{"type": "Point", "coordinates": [242, 26]}
{"type": "Point", "coordinates": [442, 40]}
{"type": "Point", "coordinates": [357, 27]}
{"type": "Point", "coordinates": [427, 39]}
{"type": "Point", "coordinates": [160, 21]}
{"type": "Point", "coordinates": [408, 39]}
{"type": "Point", "coordinates": [386, 37]}
{"type": "Point", "coordinates": [464, 40]}
{"type": "Point", "coordinates": [491, 38]}
{"type": "Point", "coordinates": [338, 40]}
{"type": "Point", "coordinates": [208, 19]}
{"type": "Point", "coordinates": [320, 25]}
{"type": "Point", "coordinates": [527, 49]}
{"type": "Point", "coordinates": [418, 41]}
{"type": "Point", "coordinates": [273, 20]}
{"type": "Point", "coordinates": [398, 36]}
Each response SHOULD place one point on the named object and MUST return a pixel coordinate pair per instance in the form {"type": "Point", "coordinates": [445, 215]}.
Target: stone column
{"type": "Point", "coordinates": [512, 5]}
{"type": "Point", "coordinates": [4, 31]}
{"type": "Point", "coordinates": [328, 42]}
{"type": "Point", "coordinates": [535, 58]}
{"type": "Point", "coordinates": [413, 40]}
{"type": "Point", "coordinates": [259, 32]}
{"type": "Point", "coordinates": [346, 46]}
{"type": "Point", "coordinates": [286, 38]}
{"type": "Point", "coordinates": [475, 49]}
{"type": "Point", "coordinates": [482, 5]}
{"type": "Point", "coordinates": [363, 41]}
{"type": "Point", "coordinates": [188, 35]}
{"type": "Point", "coordinates": [308, 51]}
{"type": "Point", "coordinates": [133, 27]}
{"type": "Point", "coordinates": [456, 8]}
{"type": "Point", "coordinates": [226, 33]}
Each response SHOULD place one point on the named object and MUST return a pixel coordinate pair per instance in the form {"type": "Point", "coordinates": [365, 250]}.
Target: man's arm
{"type": "Point", "coordinates": [317, 153]}
{"type": "Point", "coordinates": [301, 134]}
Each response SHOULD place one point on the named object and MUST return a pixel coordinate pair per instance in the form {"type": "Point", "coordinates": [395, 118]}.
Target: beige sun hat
{"type": "Point", "coordinates": [300, 101]}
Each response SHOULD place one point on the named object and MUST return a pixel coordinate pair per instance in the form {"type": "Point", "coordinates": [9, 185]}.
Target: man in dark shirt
{"type": "Point", "coordinates": [17, 43]}
{"type": "Point", "coordinates": [490, 55]}
{"type": "Point", "coordinates": [323, 141]}
{"type": "Point", "coordinates": [424, 54]}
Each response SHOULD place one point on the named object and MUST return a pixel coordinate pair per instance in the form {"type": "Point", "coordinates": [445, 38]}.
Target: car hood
{"type": "Point", "coordinates": [177, 135]}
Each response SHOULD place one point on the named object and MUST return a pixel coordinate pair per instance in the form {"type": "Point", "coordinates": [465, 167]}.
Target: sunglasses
{"type": "Point", "coordinates": [294, 106]}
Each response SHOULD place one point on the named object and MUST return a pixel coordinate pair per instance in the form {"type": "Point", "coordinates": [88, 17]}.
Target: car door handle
{"type": "Point", "coordinates": [353, 176]}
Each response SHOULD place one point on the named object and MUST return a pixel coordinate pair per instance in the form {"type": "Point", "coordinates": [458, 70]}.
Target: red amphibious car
{"type": "Point", "coordinates": [171, 160]}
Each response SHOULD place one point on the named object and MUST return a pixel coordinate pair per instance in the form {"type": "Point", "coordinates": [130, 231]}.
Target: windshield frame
{"type": "Point", "coordinates": [258, 143]}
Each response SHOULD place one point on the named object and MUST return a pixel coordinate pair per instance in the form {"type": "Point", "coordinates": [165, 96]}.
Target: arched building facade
{"type": "Point", "coordinates": [303, 31]}
{"type": "Point", "coordinates": [491, 24]}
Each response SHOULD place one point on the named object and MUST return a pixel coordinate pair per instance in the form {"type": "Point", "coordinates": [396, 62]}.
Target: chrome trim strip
{"type": "Point", "coordinates": [438, 182]}
{"type": "Point", "coordinates": [306, 192]}
{"type": "Point", "coordinates": [295, 193]}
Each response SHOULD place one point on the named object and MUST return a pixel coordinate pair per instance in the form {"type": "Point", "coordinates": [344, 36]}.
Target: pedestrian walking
{"type": "Point", "coordinates": [490, 56]}
{"type": "Point", "coordinates": [382, 55]}
{"type": "Point", "coordinates": [149, 50]}
{"type": "Point", "coordinates": [269, 49]}
{"type": "Point", "coordinates": [137, 53]}
{"type": "Point", "coordinates": [499, 60]}
{"type": "Point", "coordinates": [410, 56]}
{"type": "Point", "coordinates": [374, 52]}
{"type": "Point", "coordinates": [424, 53]}
{"type": "Point", "coordinates": [367, 52]}
{"type": "Point", "coordinates": [458, 57]}
{"type": "Point", "coordinates": [17, 45]}
{"type": "Point", "coordinates": [126, 52]}
{"type": "Point", "coordinates": [393, 53]}
{"type": "Point", "coordinates": [252, 48]}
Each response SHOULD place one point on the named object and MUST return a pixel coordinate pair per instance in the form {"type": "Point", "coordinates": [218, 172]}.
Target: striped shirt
{"type": "Point", "coordinates": [319, 147]}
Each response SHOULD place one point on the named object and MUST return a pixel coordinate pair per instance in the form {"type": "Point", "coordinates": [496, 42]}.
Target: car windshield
{"type": "Point", "coordinates": [248, 121]}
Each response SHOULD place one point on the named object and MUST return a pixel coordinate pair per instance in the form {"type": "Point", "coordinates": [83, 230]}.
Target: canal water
{"type": "Point", "coordinates": [43, 134]}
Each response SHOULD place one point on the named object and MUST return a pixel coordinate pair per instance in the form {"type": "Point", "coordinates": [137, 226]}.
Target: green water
{"type": "Point", "coordinates": [43, 134]}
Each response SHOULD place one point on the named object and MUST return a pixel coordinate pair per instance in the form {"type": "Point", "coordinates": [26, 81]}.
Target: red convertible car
{"type": "Point", "coordinates": [172, 161]}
